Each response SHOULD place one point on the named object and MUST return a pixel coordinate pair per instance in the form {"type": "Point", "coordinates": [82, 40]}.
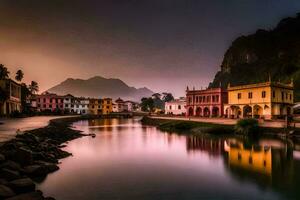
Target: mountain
{"type": "Point", "coordinates": [100, 87]}
{"type": "Point", "coordinates": [253, 58]}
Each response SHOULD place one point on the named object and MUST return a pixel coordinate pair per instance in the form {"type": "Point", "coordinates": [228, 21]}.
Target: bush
{"type": "Point", "coordinates": [247, 127]}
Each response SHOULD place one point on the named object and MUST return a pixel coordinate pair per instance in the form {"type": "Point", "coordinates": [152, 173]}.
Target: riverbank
{"type": "Point", "coordinates": [184, 126]}
{"type": "Point", "coordinates": [31, 156]}
{"type": "Point", "coordinates": [188, 127]}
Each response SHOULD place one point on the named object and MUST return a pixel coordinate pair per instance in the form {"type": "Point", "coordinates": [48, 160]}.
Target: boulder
{"type": "Point", "coordinates": [37, 195]}
{"type": "Point", "coordinates": [22, 185]}
{"type": "Point", "coordinates": [23, 156]}
{"type": "Point", "coordinates": [36, 170]}
{"type": "Point", "coordinates": [6, 192]}
{"type": "Point", "coordinates": [11, 165]}
{"type": "Point", "coordinates": [2, 158]}
{"type": "Point", "coordinates": [9, 174]}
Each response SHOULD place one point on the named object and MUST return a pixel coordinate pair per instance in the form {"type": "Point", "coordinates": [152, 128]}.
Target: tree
{"type": "Point", "coordinates": [147, 104]}
{"type": "Point", "coordinates": [167, 97]}
{"type": "Point", "coordinates": [4, 73]}
{"type": "Point", "coordinates": [19, 75]}
{"type": "Point", "coordinates": [33, 87]}
{"type": "Point", "coordinates": [25, 93]}
{"type": "Point", "coordinates": [156, 96]}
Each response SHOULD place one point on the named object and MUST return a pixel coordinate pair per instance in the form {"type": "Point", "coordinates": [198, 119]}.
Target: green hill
{"type": "Point", "coordinates": [253, 58]}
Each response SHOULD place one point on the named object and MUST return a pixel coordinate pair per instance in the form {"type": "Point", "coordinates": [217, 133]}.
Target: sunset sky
{"type": "Point", "coordinates": [161, 44]}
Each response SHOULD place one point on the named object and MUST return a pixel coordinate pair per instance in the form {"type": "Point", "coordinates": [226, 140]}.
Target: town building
{"type": "Point", "coordinates": [176, 107]}
{"type": "Point", "coordinates": [12, 102]}
{"type": "Point", "coordinates": [120, 106]}
{"type": "Point", "coordinates": [205, 103]}
{"type": "Point", "coordinates": [81, 106]}
{"type": "Point", "coordinates": [69, 103]}
{"type": "Point", "coordinates": [107, 106]}
{"type": "Point", "coordinates": [49, 102]}
{"type": "Point", "coordinates": [95, 106]}
{"type": "Point", "coordinates": [262, 100]}
{"type": "Point", "coordinates": [131, 106]}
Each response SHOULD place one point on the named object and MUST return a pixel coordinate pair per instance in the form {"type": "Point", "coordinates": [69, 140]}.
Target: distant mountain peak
{"type": "Point", "coordinates": [100, 87]}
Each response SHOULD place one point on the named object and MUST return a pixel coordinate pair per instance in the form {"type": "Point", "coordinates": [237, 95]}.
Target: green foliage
{"type": "Point", "coordinates": [33, 87]}
{"type": "Point", "coordinates": [167, 97]}
{"type": "Point", "coordinates": [19, 75]}
{"type": "Point", "coordinates": [4, 73]}
{"type": "Point", "coordinates": [147, 104]}
{"type": "Point", "coordinates": [247, 127]}
{"type": "Point", "coordinates": [252, 58]}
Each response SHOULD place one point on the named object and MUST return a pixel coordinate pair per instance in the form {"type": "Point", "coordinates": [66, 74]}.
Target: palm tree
{"type": "Point", "coordinates": [33, 87]}
{"type": "Point", "coordinates": [4, 73]}
{"type": "Point", "coordinates": [19, 75]}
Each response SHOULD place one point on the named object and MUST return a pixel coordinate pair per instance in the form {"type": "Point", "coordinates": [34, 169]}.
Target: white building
{"type": "Point", "coordinates": [81, 106]}
{"type": "Point", "coordinates": [76, 105]}
{"type": "Point", "coordinates": [131, 106]}
{"type": "Point", "coordinates": [69, 103]}
{"type": "Point", "coordinates": [176, 107]}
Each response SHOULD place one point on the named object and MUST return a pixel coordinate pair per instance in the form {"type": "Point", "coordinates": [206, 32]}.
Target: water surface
{"type": "Point", "coordinates": [129, 161]}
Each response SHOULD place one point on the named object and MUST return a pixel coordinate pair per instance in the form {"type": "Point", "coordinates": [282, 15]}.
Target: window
{"type": "Point", "coordinates": [239, 95]}
{"type": "Point", "coordinates": [179, 107]}
{"type": "Point", "coordinates": [217, 98]}
{"type": "Point", "coordinates": [263, 94]}
{"type": "Point", "coordinates": [44, 100]}
{"type": "Point", "coordinates": [170, 107]}
{"type": "Point", "coordinates": [286, 95]}
{"type": "Point", "coordinates": [208, 98]}
{"type": "Point", "coordinates": [282, 96]}
{"type": "Point", "coordinates": [274, 94]}
{"type": "Point", "coordinates": [250, 95]}
{"type": "Point", "coordinates": [213, 98]}
{"type": "Point", "coordinates": [290, 96]}
{"type": "Point", "coordinates": [197, 99]}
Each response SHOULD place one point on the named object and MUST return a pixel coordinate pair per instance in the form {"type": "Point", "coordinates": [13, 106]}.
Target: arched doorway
{"type": "Point", "coordinates": [257, 111]}
{"type": "Point", "coordinates": [215, 112]}
{"type": "Point", "coordinates": [191, 111]}
{"type": "Point", "coordinates": [198, 111]}
{"type": "Point", "coordinates": [206, 112]}
{"type": "Point", "coordinates": [247, 110]}
{"type": "Point", "coordinates": [235, 112]}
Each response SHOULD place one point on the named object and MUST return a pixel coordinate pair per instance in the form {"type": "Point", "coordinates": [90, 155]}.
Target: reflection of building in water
{"type": "Point", "coordinates": [257, 159]}
{"type": "Point", "coordinates": [212, 146]}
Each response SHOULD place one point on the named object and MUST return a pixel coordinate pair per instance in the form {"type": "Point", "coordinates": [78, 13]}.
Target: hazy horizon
{"type": "Point", "coordinates": [163, 45]}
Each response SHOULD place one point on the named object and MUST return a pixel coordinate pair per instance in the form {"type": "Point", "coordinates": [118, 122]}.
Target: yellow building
{"type": "Point", "coordinates": [13, 100]}
{"type": "Point", "coordinates": [100, 106]}
{"type": "Point", "coordinates": [106, 106]}
{"type": "Point", "coordinates": [95, 106]}
{"type": "Point", "coordinates": [262, 100]}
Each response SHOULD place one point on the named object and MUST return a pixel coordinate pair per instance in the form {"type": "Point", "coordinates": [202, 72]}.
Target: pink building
{"type": "Point", "coordinates": [206, 103]}
{"type": "Point", "coordinates": [50, 102]}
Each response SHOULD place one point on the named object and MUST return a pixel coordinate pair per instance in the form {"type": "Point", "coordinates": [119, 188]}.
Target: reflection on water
{"type": "Point", "coordinates": [130, 161]}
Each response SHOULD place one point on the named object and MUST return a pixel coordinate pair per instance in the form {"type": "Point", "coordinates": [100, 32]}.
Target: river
{"type": "Point", "coordinates": [10, 126]}
{"type": "Point", "coordinates": [129, 161]}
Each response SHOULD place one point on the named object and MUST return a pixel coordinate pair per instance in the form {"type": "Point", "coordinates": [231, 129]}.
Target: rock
{"type": "Point", "coordinates": [9, 174]}
{"type": "Point", "coordinates": [2, 158]}
{"type": "Point", "coordinates": [37, 195]}
{"type": "Point", "coordinates": [3, 181]}
{"type": "Point", "coordinates": [23, 156]}
{"type": "Point", "coordinates": [6, 192]}
{"type": "Point", "coordinates": [36, 170]}
{"type": "Point", "coordinates": [11, 165]}
{"type": "Point", "coordinates": [49, 166]}
{"type": "Point", "coordinates": [22, 185]}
